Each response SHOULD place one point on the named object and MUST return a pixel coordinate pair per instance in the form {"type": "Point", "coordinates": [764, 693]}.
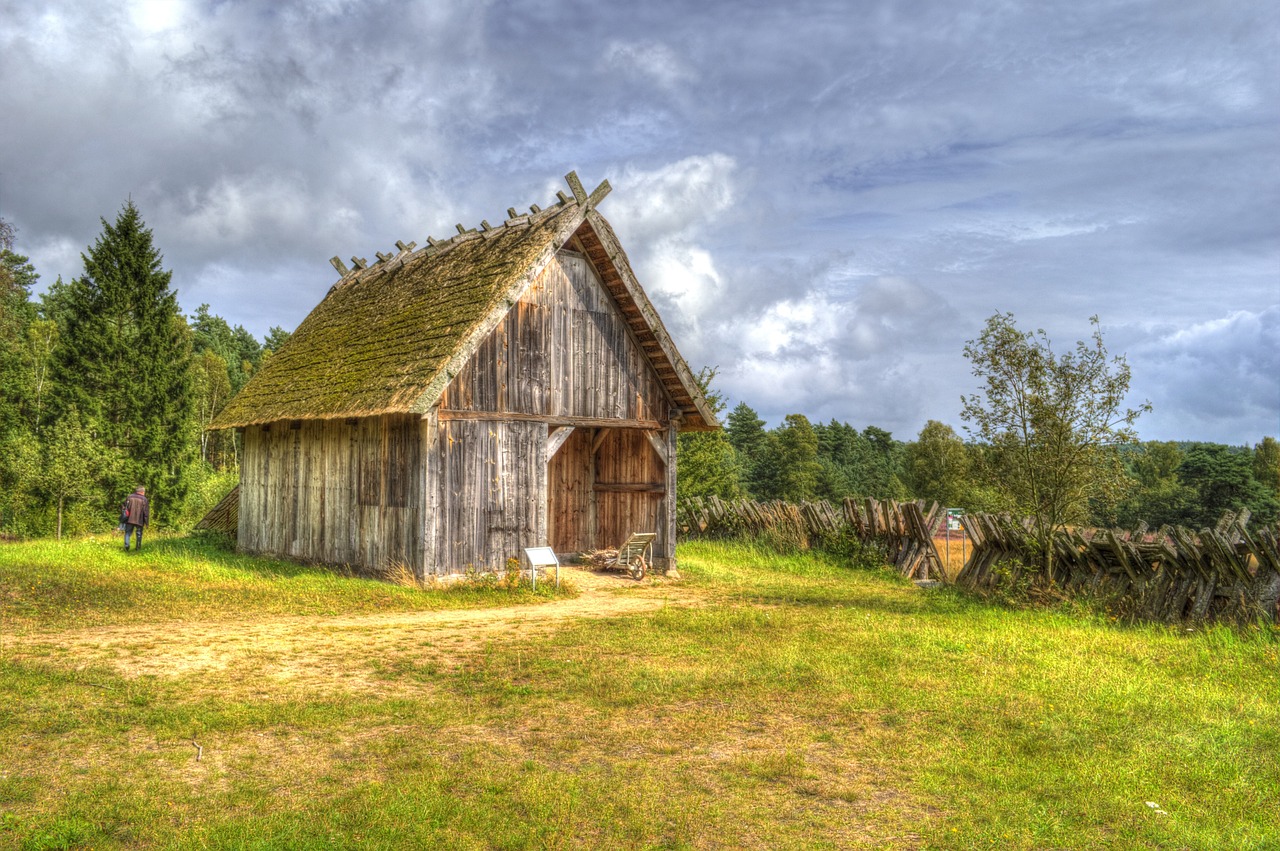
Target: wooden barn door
{"type": "Point", "coordinates": [570, 507]}
{"type": "Point", "coordinates": [602, 486]}
{"type": "Point", "coordinates": [629, 488]}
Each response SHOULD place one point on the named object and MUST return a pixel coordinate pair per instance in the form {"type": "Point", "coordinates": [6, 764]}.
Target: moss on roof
{"type": "Point", "coordinates": [380, 342]}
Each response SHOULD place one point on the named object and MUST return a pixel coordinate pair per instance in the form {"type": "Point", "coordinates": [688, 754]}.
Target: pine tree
{"type": "Point", "coordinates": [750, 442]}
{"type": "Point", "coordinates": [124, 361]}
{"type": "Point", "coordinates": [17, 276]}
{"type": "Point", "coordinates": [19, 451]}
{"type": "Point", "coordinates": [796, 460]}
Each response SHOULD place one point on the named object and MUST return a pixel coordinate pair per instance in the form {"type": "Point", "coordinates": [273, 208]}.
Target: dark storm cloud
{"type": "Point", "coordinates": [824, 199]}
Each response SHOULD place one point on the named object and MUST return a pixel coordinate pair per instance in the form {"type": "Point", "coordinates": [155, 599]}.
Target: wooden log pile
{"type": "Point", "coordinates": [1229, 573]}
{"type": "Point", "coordinates": [903, 529]}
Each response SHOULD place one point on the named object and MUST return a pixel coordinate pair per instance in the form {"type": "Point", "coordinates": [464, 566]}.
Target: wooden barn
{"type": "Point", "coordinates": [445, 407]}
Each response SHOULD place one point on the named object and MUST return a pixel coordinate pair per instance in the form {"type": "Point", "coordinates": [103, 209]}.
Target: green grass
{"type": "Point", "coordinates": [49, 585]}
{"type": "Point", "coordinates": [801, 704]}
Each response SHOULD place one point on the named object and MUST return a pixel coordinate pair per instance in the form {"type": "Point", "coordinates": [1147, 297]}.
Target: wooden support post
{"type": "Point", "coordinates": [601, 435]}
{"type": "Point", "coordinates": [669, 505]}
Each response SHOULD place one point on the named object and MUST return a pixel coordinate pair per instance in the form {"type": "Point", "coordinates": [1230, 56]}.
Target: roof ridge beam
{"type": "Point", "coordinates": [579, 194]}
{"type": "Point", "coordinates": [598, 194]}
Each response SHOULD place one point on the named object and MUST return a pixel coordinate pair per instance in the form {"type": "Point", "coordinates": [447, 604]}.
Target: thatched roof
{"type": "Point", "coordinates": [389, 336]}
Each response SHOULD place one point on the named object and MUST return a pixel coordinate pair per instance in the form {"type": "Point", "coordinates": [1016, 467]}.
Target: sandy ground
{"type": "Point", "coordinates": [311, 650]}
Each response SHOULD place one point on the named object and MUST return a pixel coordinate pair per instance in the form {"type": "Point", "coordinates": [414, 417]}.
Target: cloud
{"type": "Point", "coordinates": [651, 60]}
{"type": "Point", "coordinates": [825, 199]}
{"type": "Point", "coordinates": [1214, 380]}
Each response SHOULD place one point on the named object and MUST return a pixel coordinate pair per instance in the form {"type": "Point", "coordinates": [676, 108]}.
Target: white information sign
{"type": "Point", "coordinates": [542, 557]}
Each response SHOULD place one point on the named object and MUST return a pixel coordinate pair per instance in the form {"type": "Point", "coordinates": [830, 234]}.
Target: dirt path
{"type": "Point", "coordinates": [314, 650]}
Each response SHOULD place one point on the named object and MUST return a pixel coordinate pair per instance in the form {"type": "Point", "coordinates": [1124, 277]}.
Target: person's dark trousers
{"type": "Point", "coordinates": [129, 529]}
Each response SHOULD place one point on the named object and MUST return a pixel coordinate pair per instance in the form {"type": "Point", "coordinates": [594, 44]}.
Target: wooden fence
{"type": "Point", "coordinates": [904, 529]}
{"type": "Point", "coordinates": [1227, 573]}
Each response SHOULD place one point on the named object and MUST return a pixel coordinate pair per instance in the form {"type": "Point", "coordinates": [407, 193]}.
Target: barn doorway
{"type": "Point", "coordinates": [603, 484]}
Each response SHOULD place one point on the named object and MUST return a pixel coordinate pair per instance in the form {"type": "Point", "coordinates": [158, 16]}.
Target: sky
{"type": "Point", "coordinates": [824, 200]}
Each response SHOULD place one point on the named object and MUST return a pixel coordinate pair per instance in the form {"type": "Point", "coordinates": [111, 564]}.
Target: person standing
{"type": "Point", "coordinates": [137, 512]}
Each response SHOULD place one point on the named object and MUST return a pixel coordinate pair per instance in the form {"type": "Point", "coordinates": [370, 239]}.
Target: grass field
{"type": "Point", "coordinates": [185, 697]}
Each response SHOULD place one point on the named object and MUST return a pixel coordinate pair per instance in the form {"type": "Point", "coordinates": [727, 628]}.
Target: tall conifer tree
{"type": "Point", "coordinates": [123, 360]}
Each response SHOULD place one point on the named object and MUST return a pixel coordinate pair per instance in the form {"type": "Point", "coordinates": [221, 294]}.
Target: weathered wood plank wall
{"type": "Point", "coordinates": [563, 354]}
{"type": "Point", "coordinates": [485, 480]}
{"type": "Point", "coordinates": [334, 492]}
{"type": "Point", "coordinates": [563, 351]}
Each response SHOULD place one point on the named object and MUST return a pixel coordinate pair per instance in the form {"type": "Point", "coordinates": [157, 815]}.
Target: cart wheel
{"type": "Point", "coordinates": [638, 568]}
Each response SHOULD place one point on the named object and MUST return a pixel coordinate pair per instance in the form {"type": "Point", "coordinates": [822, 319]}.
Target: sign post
{"type": "Point", "coordinates": [542, 557]}
{"type": "Point", "coordinates": [953, 524]}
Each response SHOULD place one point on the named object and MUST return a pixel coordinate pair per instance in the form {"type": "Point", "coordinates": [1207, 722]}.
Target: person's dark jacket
{"type": "Point", "coordinates": [137, 509]}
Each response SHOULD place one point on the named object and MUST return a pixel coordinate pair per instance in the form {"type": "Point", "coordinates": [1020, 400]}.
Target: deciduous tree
{"type": "Point", "coordinates": [707, 464]}
{"type": "Point", "coordinates": [1266, 464]}
{"type": "Point", "coordinates": [795, 458]}
{"type": "Point", "coordinates": [939, 465]}
{"type": "Point", "coordinates": [1050, 420]}
{"type": "Point", "coordinates": [72, 463]}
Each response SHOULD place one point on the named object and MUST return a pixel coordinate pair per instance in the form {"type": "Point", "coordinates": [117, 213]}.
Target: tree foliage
{"type": "Point", "coordinates": [1266, 464]}
{"type": "Point", "coordinates": [1223, 480]}
{"type": "Point", "coordinates": [1050, 421]}
{"type": "Point", "coordinates": [707, 463]}
{"type": "Point", "coordinates": [794, 460]}
{"type": "Point", "coordinates": [123, 361]}
{"type": "Point", "coordinates": [100, 391]}
{"type": "Point", "coordinates": [72, 462]}
{"type": "Point", "coordinates": [939, 466]}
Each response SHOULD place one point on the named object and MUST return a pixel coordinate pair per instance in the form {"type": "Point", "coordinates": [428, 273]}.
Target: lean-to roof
{"type": "Point", "coordinates": [389, 336]}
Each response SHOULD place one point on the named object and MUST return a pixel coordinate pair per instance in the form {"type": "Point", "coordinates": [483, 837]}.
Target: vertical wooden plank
{"type": "Point", "coordinates": [438, 514]}
{"type": "Point", "coordinates": [667, 525]}
{"type": "Point", "coordinates": [418, 495]}
{"type": "Point", "coordinates": [274, 495]}
{"type": "Point", "coordinates": [296, 495]}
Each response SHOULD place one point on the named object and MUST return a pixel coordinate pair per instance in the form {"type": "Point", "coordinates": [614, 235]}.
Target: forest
{"type": "Point", "coordinates": [1179, 483]}
{"type": "Point", "coordinates": [106, 384]}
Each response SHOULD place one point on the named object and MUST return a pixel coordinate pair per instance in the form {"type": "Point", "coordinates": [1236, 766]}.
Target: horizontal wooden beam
{"type": "Point", "coordinates": [629, 487]}
{"type": "Point", "coordinates": [583, 422]}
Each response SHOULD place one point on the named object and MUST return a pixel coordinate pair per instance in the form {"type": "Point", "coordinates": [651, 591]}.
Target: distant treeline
{"type": "Point", "coordinates": [1183, 483]}
{"type": "Point", "coordinates": [105, 385]}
